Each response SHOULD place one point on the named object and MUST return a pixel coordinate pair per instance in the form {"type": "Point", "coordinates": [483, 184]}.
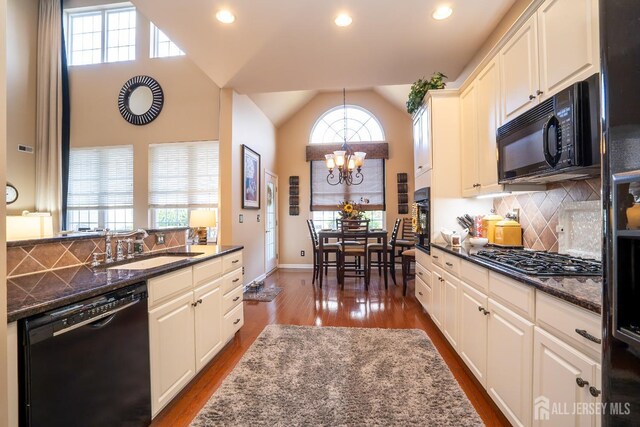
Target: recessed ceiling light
{"type": "Point", "coordinates": [343, 20]}
{"type": "Point", "coordinates": [443, 12]}
{"type": "Point", "coordinates": [225, 16]}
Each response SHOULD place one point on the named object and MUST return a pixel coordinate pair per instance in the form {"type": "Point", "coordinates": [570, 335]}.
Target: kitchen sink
{"type": "Point", "coordinates": [150, 262]}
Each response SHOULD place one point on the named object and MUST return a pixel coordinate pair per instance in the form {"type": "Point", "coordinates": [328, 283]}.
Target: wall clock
{"type": "Point", "coordinates": [11, 193]}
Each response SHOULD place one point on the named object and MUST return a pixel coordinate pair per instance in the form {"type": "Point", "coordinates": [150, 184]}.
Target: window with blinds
{"type": "Point", "coordinates": [100, 191]}
{"type": "Point", "coordinates": [182, 177]}
{"type": "Point", "coordinates": [371, 194]}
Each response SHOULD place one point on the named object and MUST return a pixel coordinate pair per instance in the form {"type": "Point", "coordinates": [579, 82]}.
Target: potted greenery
{"type": "Point", "coordinates": [420, 88]}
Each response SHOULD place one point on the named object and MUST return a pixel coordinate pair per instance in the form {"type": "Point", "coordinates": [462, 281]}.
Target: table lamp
{"type": "Point", "coordinates": [202, 220]}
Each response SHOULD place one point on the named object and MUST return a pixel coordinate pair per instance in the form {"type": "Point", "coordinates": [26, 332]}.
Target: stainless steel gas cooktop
{"type": "Point", "coordinates": [537, 263]}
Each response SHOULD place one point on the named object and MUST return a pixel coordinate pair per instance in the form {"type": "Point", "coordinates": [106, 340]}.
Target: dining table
{"type": "Point", "coordinates": [380, 234]}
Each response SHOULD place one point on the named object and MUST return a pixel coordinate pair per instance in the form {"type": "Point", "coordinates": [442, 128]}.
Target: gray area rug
{"type": "Point", "coordinates": [300, 375]}
{"type": "Point", "coordinates": [263, 294]}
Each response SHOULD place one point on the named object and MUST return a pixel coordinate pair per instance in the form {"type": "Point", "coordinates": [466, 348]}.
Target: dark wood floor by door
{"type": "Point", "coordinates": [301, 303]}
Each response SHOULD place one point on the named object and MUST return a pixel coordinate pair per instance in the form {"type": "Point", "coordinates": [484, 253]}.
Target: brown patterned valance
{"type": "Point", "coordinates": [374, 150]}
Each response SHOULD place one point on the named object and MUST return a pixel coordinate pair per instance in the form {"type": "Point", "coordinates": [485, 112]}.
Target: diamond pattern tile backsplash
{"type": "Point", "coordinates": [539, 210]}
{"type": "Point", "coordinates": [30, 258]}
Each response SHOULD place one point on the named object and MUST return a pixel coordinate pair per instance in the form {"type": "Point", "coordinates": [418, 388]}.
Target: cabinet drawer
{"type": "Point", "coordinates": [232, 299]}
{"type": "Point", "coordinates": [231, 281]}
{"type": "Point", "coordinates": [574, 325]}
{"type": "Point", "coordinates": [162, 287]}
{"type": "Point", "coordinates": [233, 320]}
{"type": "Point", "coordinates": [423, 294]}
{"type": "Point", "coordinates": [423, 259]}
{"type": "Point", "coordinates": [207, 271]}
{"type": "Point", "coordinates": [516, 296]}
{"type": "Point", "coordinates": [437, 257]}
{"type": "Point", "coordinates": [423, 274]}
{"type": "Point", "coordinates": [452, 264]}
{"type": "Point", "coordinates": [232, 261]}
{"type": "Point", "coordinates": [474, 275]}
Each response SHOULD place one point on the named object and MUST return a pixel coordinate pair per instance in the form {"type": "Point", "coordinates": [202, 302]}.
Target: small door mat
{"type": "Point", "coordinates": [261, 294]}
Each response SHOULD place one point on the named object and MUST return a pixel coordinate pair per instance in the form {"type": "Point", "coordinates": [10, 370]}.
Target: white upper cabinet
{"type": "Point", "coordinates": [469, 141]}
{"type": "Point", "coordinates": [519, 71]}
{"type": "Point", "coordinates": [422, 140]}
{"type": "Point", "coordinates": [557, 46]}
{"type": "Point", "coordinates": [487, 85]}
{"type": "Point", "coordinates": [568, 43]}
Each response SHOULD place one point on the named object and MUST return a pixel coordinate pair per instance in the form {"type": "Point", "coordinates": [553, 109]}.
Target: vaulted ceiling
{"type": "Point", "coordinates": [294, 46]}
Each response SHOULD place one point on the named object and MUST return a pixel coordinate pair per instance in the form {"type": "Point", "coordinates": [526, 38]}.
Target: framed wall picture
{"type": "Point", "coordinates": [250, 178]}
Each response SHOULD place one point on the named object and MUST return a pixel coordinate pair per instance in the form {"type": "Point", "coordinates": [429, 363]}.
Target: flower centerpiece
{"type": "Point", "coordinates": [350, 210]}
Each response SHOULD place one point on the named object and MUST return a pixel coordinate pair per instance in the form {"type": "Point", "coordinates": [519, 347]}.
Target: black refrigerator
{"type": "Point", "coordinates": [620, 46]}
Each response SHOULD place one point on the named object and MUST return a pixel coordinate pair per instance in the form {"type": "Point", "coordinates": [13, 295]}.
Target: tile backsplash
{"type": "Point", "coordinates": [539, 211]}
{"type": "Point", "coordinates": [34, 258]}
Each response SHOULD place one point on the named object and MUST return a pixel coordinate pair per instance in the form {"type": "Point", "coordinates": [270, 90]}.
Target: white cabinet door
{"type": "Point", "coordinates": [469, 141]}
{"type": "Point", "coordinates": [451, 308]}
{"type": "Point", "coordinates": [598, 390]}
{"type": "Point", "coordinates": [509, 363]}
{"type": "Point", "coordinates": [558, 368]}
{"type": "Point", "coordinates": [519, 71]}
{"type": "Point", "coordinates": [568, 43]}
{"type": "Point", "coordinates": [208, 322]}
{"type": "Point", "coordinates": [473, 331]}
{"type": "Point", "coordinates": [436, 297]}
{"type": "Point", "coordinates": [424, 155]}
{"type": "Point", "coordinates": [488, 94]}
{"type": "Point", "coordinates": [417, 142]}
{"type": "Point", "coordinates": [172, 349]}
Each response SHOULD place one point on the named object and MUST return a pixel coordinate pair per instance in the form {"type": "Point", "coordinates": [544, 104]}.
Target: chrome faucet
{"type": "Point", "coordinates": [108, 254]}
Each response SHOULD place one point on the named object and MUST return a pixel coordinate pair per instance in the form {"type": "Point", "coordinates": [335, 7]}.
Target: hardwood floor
{"type": "Point", "coordinates": [301, 303]}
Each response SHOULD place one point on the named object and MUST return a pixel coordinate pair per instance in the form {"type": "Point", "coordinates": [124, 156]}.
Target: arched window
{"type": "Point", "coordinates": [362, 126]}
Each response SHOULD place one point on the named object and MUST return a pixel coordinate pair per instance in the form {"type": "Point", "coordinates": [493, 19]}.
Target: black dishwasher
{"type": "Point", "coordinates": [88, 364]}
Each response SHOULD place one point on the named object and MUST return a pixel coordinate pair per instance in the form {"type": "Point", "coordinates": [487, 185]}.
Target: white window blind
{"type": "Point", "coordinates": [101, 178]}
{"type": "Point", "coordinates": [326, 197]}
{"type": "Point", "coordinates": [184, 175]}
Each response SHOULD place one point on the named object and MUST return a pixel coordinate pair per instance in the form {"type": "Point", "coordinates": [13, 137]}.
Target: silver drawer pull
{"type": "Point", "coordinates": [583, 333]}
{"type": "Point", "coordinates": [449, 264]}
{"type": "Point", "coordinates": [581, 382]}
{"type": "Point", "coordinates": [236, 322]}
{"type": "Point", "coordinates": [235, 261]}
{"type": "Point", "coordinates": [235, 280]}
{"type": "Point", "coordinates": [236, 299]}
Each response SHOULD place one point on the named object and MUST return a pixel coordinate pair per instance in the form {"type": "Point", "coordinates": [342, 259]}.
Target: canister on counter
{"type": "Point", "coordinates": [489, 226]}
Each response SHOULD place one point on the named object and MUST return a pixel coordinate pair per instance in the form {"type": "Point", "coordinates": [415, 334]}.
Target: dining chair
{"type": "Point", "coordinates": [354, 240]}
{"type": "Point", "coordinates": [408, 257]}
{"type": "Point", "coordinates": [327, 249]}
{"type": "Point", "coordinates": [407, 241]}
{"type": "Point", "coordinates": [376, 248]}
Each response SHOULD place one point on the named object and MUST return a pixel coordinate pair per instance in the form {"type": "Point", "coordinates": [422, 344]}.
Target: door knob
{"type": "Point", "coordinates": [539, 92]}
{"type": "Point", "coordinates": [594, 391]}
{"type": "Point", "coordinates": [532, 97]}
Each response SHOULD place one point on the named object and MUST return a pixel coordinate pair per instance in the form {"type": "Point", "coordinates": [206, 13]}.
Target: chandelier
{"type": "Point", "coordinates": [345, 160]}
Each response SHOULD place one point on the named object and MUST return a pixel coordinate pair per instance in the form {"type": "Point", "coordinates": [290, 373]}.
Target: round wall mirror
{"type": "Point", "coordinates": [140, 100]}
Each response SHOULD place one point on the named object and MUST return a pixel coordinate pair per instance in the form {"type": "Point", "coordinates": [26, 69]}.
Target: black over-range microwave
{"type": "Point", "coordinates": [559, 139]}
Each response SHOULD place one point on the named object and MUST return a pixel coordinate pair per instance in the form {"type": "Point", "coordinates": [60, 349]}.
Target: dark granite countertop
{"type": "Point", "coordinates": [39, 292]}
{"type": "Point", "coordinates": [583, 291]}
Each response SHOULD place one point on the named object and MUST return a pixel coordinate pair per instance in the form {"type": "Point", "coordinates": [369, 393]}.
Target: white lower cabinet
{"type": "Point", "coordinates": [437, 288]}
{"type": "Point", "coordinates": [451, 308]}
{"type": "Point", "coordinates": [562, 377]}
{"type": "Point", "coordinates": [208, 323]}
{"type": "Point", "coordinates": [510, 363]}
{"type": "Point", "coordinates": [172, 349]}
{"type": "Point", "coordinates": [188, 329]}
{"type": "Point", "coordinates": [472, 341]}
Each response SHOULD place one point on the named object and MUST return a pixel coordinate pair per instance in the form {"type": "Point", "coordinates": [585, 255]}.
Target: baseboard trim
{"type": "Point", "coordinates": [296, 266]}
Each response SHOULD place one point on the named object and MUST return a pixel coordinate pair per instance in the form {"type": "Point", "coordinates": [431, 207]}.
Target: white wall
{"type": "Point", "coordinates": [242, 122]}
